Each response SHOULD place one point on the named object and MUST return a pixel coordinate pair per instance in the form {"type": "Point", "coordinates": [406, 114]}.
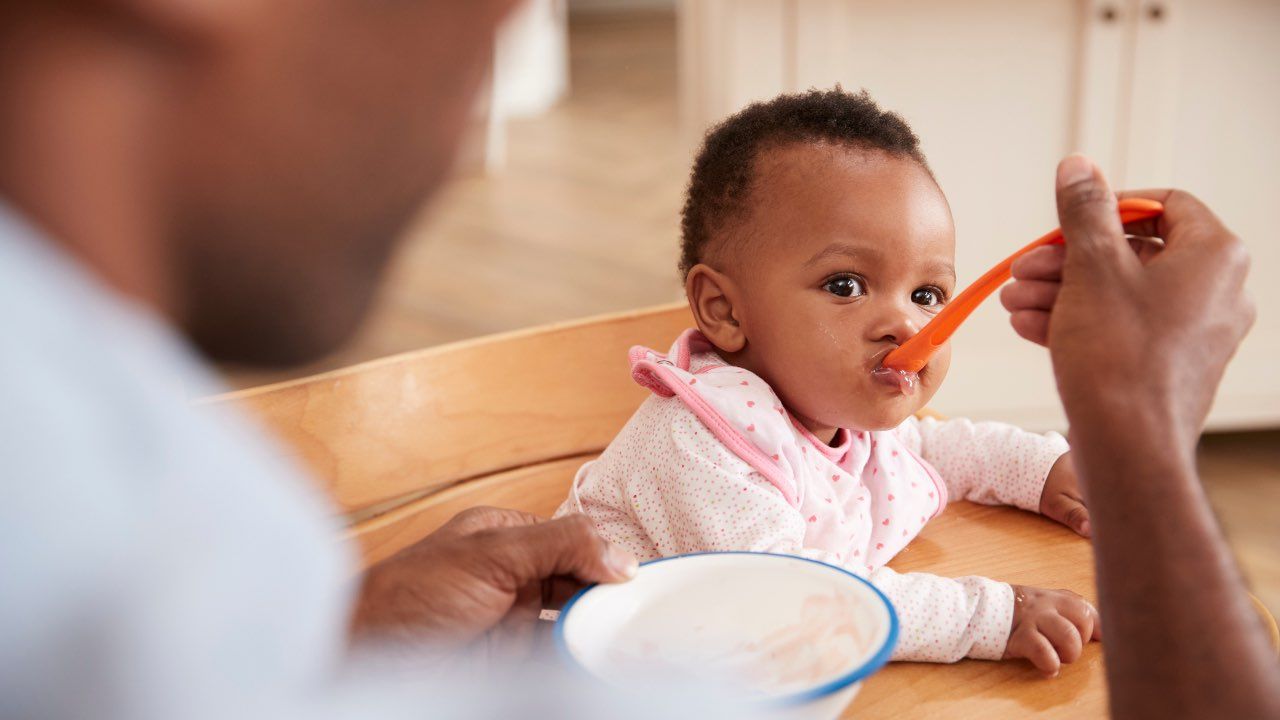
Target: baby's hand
{"type": "Point", "coordinates": [1061, 499]}
{"type": "Point", "coordinates": [1050, 627]}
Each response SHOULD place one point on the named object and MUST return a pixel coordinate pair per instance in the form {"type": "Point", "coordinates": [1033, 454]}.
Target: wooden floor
{"type": "Point", "coordinates": [584, 221]}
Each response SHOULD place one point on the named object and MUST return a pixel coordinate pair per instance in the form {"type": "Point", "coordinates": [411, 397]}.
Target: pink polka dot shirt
{"type": "Point", "coordinates": [713, 461]}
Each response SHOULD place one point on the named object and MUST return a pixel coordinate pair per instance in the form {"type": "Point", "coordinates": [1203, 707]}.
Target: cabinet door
{"type": "Point", "coordinates": [1205, 115]}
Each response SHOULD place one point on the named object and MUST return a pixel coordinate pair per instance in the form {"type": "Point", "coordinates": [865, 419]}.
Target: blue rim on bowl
{"type": "Point", "coordinates": [872, 664]}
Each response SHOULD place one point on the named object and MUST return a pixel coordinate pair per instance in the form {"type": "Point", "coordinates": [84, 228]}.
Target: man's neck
{"type": "Point", "coordinates": [76, 112]}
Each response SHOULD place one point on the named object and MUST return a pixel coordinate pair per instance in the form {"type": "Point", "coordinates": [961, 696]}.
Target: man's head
{"type": "Point", "coordinates": [815, 241]}
{"type": "Point", "coordinates": [290, 141]}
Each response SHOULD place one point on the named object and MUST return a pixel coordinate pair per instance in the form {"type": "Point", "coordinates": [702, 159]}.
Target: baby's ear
{"type": "Point", "coordinates": [712, 296]}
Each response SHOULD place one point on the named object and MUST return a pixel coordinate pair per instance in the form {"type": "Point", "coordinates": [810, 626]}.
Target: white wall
{"type": "Point", "coordinates": [531, 67]}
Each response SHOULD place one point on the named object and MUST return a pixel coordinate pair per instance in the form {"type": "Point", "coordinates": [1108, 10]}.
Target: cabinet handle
{"type": "Point", "coordinates": [1109, 14]}
{"type": "Point", "coordinates": [1156, 12]}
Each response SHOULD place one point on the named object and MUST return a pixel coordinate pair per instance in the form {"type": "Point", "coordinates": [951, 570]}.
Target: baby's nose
{"type": "Point", "coordinates": [897, 326]}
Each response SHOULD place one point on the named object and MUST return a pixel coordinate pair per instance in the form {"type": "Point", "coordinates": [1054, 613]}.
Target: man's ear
{"type": "Point", "coordinates": [712, 298]}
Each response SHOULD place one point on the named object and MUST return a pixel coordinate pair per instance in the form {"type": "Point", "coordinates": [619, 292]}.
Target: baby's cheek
{"type": "Point", "coordinates": [934, 373]}
{"type": "Point", "coordinates": [938, 366]}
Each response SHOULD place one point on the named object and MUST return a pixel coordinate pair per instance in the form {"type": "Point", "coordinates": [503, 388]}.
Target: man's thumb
{"type": "Point", "coordinates": [1087, 215]}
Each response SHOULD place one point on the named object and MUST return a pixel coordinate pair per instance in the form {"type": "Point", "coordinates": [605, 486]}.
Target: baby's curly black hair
{"type": "Point", "coordinates": [720, 182]}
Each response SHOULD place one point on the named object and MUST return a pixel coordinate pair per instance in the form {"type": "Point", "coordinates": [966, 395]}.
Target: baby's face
{"type": "Point", "coordinates": [845, 254]}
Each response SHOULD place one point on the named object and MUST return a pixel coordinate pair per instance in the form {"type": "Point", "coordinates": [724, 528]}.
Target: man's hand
{"type": "Point", "coordinates": [1139, 344]}
{"type": "Point", "coordinates": [1144, 340]}
{"type": "Point", "coordinates": [1061, 499]}
{"type": "Point", "coordinates": [485, 569]}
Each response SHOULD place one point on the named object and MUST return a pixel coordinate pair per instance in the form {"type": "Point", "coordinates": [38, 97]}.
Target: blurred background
{"type": "Point", "coordinates": [566, 198]}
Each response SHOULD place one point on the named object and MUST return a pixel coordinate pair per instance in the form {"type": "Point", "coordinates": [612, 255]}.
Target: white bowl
{"type": "Point", "coordinates": [795, 636]}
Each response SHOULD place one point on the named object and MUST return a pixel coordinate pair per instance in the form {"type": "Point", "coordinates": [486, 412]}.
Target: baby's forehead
{"type": "Point", "coordinates": [809, 161]}
{"type": "Point", "coordinates": [806, 196]}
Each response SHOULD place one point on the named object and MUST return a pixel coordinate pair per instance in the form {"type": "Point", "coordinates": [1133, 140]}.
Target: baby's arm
{"type": "Point", "coordinates": [696, 495]}
{"type": "Point", "coordinates": [986, 462]}
{"type": "Point", "coordinates": [944, 619]}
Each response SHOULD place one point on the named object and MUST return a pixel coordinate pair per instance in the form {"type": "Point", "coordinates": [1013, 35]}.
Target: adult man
{"type": "Point", "coordinates": [229, 175]}
{"type": "Point", "coordinates": [226, 175]}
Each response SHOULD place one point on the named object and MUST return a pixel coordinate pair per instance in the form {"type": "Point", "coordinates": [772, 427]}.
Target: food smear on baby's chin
{"type": "Point", "coordinates": [904, 380]}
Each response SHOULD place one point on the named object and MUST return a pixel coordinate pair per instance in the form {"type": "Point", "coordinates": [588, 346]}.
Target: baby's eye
{"type": "Point", "coordinates": [927, 296]}
{"type": "Point", "coordinates": [845, 286]}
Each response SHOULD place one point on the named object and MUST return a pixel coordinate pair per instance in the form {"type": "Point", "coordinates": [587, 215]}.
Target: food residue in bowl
{"type": "Point", "coordinates": [824, 641]}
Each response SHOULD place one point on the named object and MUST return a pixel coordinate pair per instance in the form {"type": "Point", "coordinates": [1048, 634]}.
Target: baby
{"type": "Point", "coordinates": [816, 240]}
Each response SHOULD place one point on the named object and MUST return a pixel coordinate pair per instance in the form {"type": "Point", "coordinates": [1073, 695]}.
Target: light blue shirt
{"type": "Point", "coordinates": [159, 561]}
{"type": "Point", "coordinates": [156, 558]}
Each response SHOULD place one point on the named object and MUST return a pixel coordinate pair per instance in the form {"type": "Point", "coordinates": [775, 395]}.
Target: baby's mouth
{"type": "Point", "coordinates": [904, 381]}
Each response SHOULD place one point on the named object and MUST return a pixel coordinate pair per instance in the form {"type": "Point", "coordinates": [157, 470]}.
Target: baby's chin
{"type": "Point", "coordinates": [882, 414]}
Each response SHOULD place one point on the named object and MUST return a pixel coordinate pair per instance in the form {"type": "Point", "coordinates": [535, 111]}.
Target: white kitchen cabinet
{"type": "Point", "coordinates": [1167, 92]}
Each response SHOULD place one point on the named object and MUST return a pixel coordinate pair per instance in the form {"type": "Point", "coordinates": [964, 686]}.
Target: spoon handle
{"type": "Point", "coordinates": [913, 354]}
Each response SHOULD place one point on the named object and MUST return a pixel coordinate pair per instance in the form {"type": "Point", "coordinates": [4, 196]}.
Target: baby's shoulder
{"type": "Point", "coordinates": [733, 403]}
{"type": "Point", "coordinates": [668, 426]}
{"type": "Point", "coordinates": [661, 417]}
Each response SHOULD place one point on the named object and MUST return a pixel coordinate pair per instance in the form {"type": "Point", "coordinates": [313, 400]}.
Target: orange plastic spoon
{"type": "Point", "coordinates": [913, 354]}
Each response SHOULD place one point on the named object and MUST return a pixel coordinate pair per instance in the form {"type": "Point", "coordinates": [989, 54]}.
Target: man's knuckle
{"type": "Point", "coordinates": [1009, 296]}
{"type": "Point", "coordinates": [1085, 193]}
{"type": "Point", "coordinates": [1187, 204]}
{"type": "Point", "coordinates": [1249, 313]}
{"type": "Point", "coordinates": [1236, 254]}
{"type": "Point", "coordinates": [488, 538]}
{"type": "Point", "coordinates": [479, 516]}
{"type": "Point", "coordinates": [581, 526]}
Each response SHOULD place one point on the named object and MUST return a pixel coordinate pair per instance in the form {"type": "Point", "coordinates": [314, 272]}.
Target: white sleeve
{"type": "Point", "coordinates": [944, 619]}
{"type": "Point", "coordinates": [986, 462]}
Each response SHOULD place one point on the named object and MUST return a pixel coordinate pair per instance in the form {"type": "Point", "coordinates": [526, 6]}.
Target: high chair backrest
{"type": "Point", "coordinates": [404, 442]}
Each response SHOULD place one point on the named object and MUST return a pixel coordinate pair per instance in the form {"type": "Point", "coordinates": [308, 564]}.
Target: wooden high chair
{"type": "Point", "coordinates": [406, 442]}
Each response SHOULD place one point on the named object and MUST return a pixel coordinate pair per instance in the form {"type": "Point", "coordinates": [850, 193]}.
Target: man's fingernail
{"type": "Point", "coordinates": [1074, 169]}
{"type": "Point", "coordinates": [621, 561]}
{"type": "Point", "coordinates": [1085, 528]}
